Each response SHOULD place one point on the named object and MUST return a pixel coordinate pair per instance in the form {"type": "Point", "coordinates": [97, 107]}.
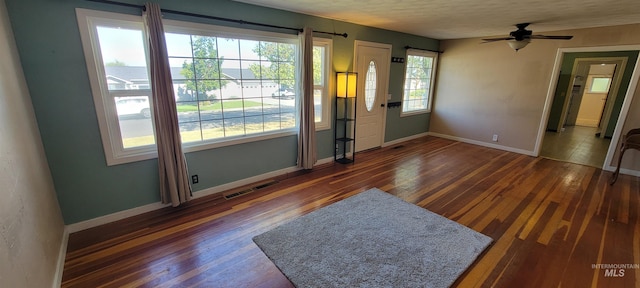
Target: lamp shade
{"type": "Point", "coordinates": [517, 45]}
{"type": "Point", "coordinates": [346, 84]}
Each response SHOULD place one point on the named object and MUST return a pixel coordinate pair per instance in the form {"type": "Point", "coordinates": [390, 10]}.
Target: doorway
{"type": "Point", "coordinates": [590, 90]}
{"type": "Point", "coordinates": [372, 65]}
{"type": "Point", "coordinates": [594, 85]}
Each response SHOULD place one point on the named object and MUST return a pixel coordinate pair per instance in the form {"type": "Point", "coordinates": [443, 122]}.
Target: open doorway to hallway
{"type": "Point", "coordinates": [586, 104]}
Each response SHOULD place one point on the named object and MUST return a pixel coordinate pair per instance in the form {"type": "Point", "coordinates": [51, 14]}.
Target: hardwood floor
{"type": "Point", "coordinates": [551, 222]}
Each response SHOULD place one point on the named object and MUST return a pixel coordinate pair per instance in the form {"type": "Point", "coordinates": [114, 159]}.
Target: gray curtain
{"type": "Point", "coordinates": [307, 155]}
{"type": "Point", "coordinates": [174, 179]}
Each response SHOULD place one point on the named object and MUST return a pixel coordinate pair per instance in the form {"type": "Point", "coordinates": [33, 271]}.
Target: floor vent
{"type": "Point", "coordinates": [244, 191]}
{"type": "Point", "coordinates": [237, 194]}
{"type": "Point", "coordinates": [398, 147]}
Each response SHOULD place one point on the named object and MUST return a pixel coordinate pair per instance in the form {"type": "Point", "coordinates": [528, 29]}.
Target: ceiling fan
{"type": "Point", "coordinates": [519, 38]}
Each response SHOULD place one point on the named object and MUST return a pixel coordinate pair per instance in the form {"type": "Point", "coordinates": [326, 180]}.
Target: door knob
{"type": "Point", "coordinates": [382, 105]}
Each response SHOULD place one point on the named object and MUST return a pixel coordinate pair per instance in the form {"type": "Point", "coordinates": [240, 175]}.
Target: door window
{"type": "Point", "coordinates": [370, 86]}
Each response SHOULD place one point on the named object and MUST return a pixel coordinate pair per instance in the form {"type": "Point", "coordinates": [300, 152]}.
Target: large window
{"type": "Point", "coordinates": [418, 81]}
{"type": "Point", "coordinates": [231, 85]}
{"type": "Point", "coordinates": [321, 72]}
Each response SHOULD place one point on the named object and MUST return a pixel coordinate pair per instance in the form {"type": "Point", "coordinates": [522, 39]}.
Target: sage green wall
{"type": "Point", "coordinates": [564, 81]}
{"type": "Point", "coordinates": [49, 45]}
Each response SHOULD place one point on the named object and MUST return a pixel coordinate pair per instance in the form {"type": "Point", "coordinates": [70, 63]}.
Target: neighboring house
{"type": "Point", "coordinates": [238, 82]}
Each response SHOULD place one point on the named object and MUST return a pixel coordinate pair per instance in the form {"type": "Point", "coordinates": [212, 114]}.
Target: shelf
{"type": "Point", "coordinates": [345, 126]}
{"type": "Point", "coordinates": [344, 160]}
{"type": "Point", "coordinates": [345, 139]}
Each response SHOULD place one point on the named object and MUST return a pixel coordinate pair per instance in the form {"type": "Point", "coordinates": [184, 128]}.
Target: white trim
{"type": "Point", "coordinates": [62, 253]}
{"type": "Point", "coordinates": [400, 140]}
{"type": "Point", "coordinates": [485, 144]}
{"type": "Point", "coordinates": [553, 83]}
{"type": "Point", "coordinates": [75, 227]}
{"type": "Point", "coordinates": [389, 48]}
{"type": "Point", "coordinates": [327, 44]}
{"type": "Point", "coordinates": [108, 122]}
{"type": "Point", "coordinates": [432, 80]}
{"type": "Point", "coordinates": [625, 171]}
{"type": "Point", "coordinates": [625, 105]}
{"type": "Point", "coordinates": [242, 182]}
{"type": "Point", "coordinates": [617, 132]}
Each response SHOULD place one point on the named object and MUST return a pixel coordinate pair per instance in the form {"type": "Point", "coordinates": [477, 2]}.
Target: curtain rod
{"type": "Point", "coordinates": [409, 47]}
{"type": "Point", "coordinates": [215, 18]}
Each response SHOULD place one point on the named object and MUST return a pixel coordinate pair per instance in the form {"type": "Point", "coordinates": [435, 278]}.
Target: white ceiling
{"type": "Point", "coordinates": [454, 19]}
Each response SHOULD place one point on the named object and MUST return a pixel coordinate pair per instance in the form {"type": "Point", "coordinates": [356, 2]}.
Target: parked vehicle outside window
{"type": "Point", "coordinates": [129, 106]}
{"type": "Point", "coordinates": [283, 93]}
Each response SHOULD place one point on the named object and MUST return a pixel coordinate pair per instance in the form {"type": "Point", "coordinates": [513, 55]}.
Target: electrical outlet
{"type": "Point", "coordinates": [194, 179]}
{"type": "Point", "coordinates": [495, 138]}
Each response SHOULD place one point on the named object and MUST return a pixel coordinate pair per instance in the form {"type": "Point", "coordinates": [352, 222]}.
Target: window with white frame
{"type": "Point", "coordinates": [419, 81]}
{"type": "Point", "coordinates": [231, 85]}
{"type": "Point", "coordinates": [600, 84]}
{"type": "Point", "coordinates": [321, 72]}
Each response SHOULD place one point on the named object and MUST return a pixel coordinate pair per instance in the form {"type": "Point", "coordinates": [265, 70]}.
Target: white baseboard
{"type": "Point", "coordinates": [75, 227]}
{"type": "Point", "coordinates": [254, 179]}
{"type": "Point", "coordinates": [525, 152]}
{"type": "Point", "coordinates": [631, 172]}
{"type": "Point", "coordinates": [62, 254]}
{"type": "Point", "coordinates": [397, 141]}
{"type": "Point", "coordinates": [324, 161]}
{"type": "Point", "coordinates": [243, 182]}
{"type": "Point", "coordinates": [485, 144]}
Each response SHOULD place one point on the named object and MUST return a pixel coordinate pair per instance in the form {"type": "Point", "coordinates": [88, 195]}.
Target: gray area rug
{"type": "Point", "coordinates": [372, 239]}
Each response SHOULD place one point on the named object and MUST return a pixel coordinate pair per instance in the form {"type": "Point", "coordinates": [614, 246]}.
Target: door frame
{"type": "Point", "coordinates": [621, 65]}
{"type": "Point", "coordinates": [384, 85]}
{"type": "Point", "coordinates": [553, 82]}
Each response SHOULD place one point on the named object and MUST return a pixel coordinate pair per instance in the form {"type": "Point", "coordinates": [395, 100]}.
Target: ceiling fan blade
{"type": "Point", "coordinates": [550, 37]}
{"type": "Point", "coordinates": [497, 39]}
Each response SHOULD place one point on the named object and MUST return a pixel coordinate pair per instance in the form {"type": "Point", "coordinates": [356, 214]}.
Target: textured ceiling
{"type": "Point", "coordinates": [453, 19]}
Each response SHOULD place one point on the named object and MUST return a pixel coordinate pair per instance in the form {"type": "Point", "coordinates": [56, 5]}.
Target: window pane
{"type": "Point", "coordinates": [242, 86]}
{"type": "Point", "coordinates": [134, 119]}
{"type": "Point", "coordinates": [223, 86]}
{"type": "Point", "coordinates": [212, 129]}
{"type": "Point", "coordinates": [600, 85]}
{"type": "Point", "coordinates": [123, 57]}
{"type": "Point", "coordinates": [318, 65]}
{"type": "Point", "coordinates": [229, 48]}
{"type": "Point", "coordinates": [178, 45]}
{"type": "Point", "coordinates": [417, 85]}
{"type": "Point", "coordinates": [370, 86]}
{"type": "Point", "coordinates": [317, 104]}
{"type": "Point", "coordinates": [190, 132]}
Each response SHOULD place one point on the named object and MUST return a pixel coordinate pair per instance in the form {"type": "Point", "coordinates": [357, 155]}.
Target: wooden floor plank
{"type": "Point", "coordinates": [551, 221]}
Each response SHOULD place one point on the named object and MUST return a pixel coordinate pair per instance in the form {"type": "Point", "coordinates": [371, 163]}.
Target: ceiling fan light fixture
{"type": "Point", "coordinates": [518, 44]}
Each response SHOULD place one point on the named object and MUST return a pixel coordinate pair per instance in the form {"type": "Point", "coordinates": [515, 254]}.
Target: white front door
{"type": "Point", "coordinates": [372, 65]}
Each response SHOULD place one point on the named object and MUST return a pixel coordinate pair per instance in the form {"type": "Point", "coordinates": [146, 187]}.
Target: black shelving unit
{"type": "Point", "coordinates": [345, 129]}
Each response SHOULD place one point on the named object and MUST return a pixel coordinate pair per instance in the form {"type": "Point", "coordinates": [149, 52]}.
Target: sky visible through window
{"type": "Point", "coordinates": [126, 46]}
